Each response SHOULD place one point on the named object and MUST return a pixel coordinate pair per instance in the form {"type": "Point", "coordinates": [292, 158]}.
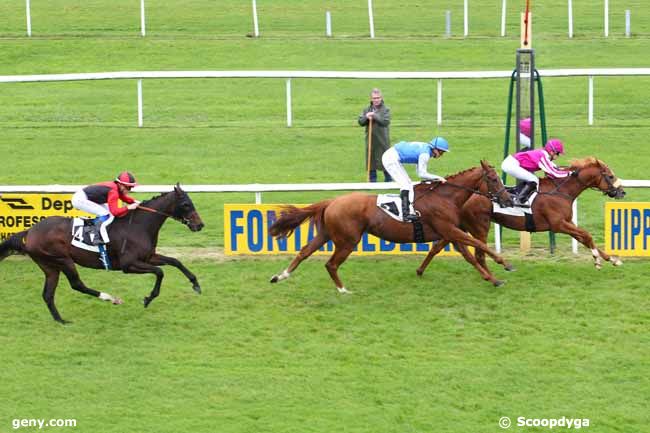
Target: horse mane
{"type": "Point", "coordinates": [461, 172]}
{"type": "Point", "coordinates": [145, 202]}
{"type": "Point", "coordinates": [589, 161]}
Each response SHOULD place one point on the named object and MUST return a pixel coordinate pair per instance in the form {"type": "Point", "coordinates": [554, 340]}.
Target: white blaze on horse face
{"type": "Point", "coordinates": [617, 184]}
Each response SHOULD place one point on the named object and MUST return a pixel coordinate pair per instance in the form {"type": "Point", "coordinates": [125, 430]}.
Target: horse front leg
{"type": "Point", "coordinates": [145, 268]}
{"type": "Point", "coordinates": [439, 246]}
{"type": "Point", "coordinates": [159, 260]}
{"type": "Point", "coordinates": [456, 235]}
{"type": "Point", "coordinates": [584, 237]}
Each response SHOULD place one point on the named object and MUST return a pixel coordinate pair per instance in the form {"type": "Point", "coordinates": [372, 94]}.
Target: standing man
{"type": "Point", "coordinates": [376, 118]}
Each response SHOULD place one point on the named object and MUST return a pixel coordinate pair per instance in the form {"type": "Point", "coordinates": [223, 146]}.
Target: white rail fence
{"type": "Point", "coordinates": [371, 21]}
{"type": "Point", "coordinates": [258, 189]}
{"type": "Point", "coordinates": [289, 75]}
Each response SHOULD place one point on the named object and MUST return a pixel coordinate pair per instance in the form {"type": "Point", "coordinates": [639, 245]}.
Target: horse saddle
{"type": "Point", "coordinates": [391, 204]}
{"type": "Point", "coordinates": [84, 232]}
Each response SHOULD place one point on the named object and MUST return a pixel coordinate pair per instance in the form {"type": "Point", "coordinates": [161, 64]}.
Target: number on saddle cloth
{"type": "Point", "coordinates": [86, 232]}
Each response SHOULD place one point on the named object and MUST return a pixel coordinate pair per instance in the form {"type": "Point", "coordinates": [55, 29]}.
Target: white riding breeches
{"type": "Point", "coordinates": [511, 166]}
{"type": "Point", "coordinates": [80, 201]}
{"type": "Point", "coordinates": [390, 160]}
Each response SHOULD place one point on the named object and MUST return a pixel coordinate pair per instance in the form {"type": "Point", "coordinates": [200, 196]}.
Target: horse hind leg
{"type": "Point", "coordinates": [340, 254]}
{"type": "Point", "coordinates": [72, 275]}
{"type": "Point", "coordinates": [439, 246]}
{"type": "Point", "coordinates": [306, 251]}
{"type": "Point", "coordinates": [49, 289]}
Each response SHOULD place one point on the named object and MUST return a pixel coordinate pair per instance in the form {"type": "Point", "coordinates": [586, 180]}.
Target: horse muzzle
{"type": "Point", "coordinates": [617, 193]}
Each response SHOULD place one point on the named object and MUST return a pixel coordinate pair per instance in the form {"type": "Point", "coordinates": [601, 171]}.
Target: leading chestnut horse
{"type": "Point", "coordinates": [552, 209]}
{"type": "Point", "coordinates": [132, 248]}
{"type": "Point", "coordinates": [344, 220]}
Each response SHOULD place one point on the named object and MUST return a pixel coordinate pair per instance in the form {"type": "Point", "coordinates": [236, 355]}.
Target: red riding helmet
{"type": "Point", "coordinates": [555, 145]}
{"type": "Point", "coordinates": [126, 179]}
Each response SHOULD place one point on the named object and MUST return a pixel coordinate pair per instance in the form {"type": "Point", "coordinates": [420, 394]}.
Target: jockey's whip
{"type": "Point", "coordinates": [369, 146]}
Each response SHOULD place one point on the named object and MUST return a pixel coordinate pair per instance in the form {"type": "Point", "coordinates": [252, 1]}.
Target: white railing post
{"type": "Point", "coordinates": [503, 18]}
{"type": "Point", "coordinates": [628, 24]}
{"type": "Point", "coordinates": [258, 197]}
{"type": "Point", "coordinates": [439, 105]}
{"type": "Point", "coordinates": [497, 238]}
{"type": "Point", "coordinates": [29, 17]}
{"type": "Point", "coordinates": [606, 18]}
{"type": "Point", "coordinates": [256, 29]}
{"type": "Point", "coordinates": [143, 30]}
{"type": "Point", "coordinates": [328, 24]}
{"type": "Point", "coordinates": [466, 17]}
{"type": "Point", "coordinates": [574, 243]}
{"type": "Point", "coordinates": [140, 117]}
{"type": "Point", "coordinates": [289, 119]}
{"type": "Point", "coordinates": [371, 20]}
{"type": "Point", "coordinates": [448, 24]}
{"type": "Point", "coordinates": [591, 99]}
{"type": "Point", "coordinates": [570, 6]}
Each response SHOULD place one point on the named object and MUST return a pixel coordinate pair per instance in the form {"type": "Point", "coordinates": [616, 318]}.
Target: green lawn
{"type": "Point", "coordinates": [445, 353]}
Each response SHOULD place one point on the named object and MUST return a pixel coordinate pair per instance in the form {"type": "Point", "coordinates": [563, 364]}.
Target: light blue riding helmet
{"type": "Point", "coordinates": [440, 144]}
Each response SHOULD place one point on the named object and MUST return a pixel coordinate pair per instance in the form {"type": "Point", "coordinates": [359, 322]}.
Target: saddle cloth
{"type": "Point", "coordinates": [391, 204]}
{"type": "Point", "coordinates": [83, 233]}
{"type": "Point", "coordinates": [516, 210]}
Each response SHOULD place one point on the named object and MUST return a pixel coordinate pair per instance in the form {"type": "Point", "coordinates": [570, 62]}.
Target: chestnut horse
{"type": "Point", "coordinates": [344, 220]}
{"type": "Point", "coordinates": [552, 209]}
{"type": "Point", "coordinates": [132, 248]}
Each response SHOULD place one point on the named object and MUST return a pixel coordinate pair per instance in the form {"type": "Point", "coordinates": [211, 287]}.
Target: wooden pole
{"type": "Point", "coordinates": [369, 146]}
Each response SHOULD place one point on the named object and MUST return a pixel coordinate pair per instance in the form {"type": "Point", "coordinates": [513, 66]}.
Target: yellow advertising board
{"type": "Point", "coordinates": [246, 232]}
{"type": "Point", "coordinates": [627, 228]}
{"type": "Point", "coordinates": [19, 212]}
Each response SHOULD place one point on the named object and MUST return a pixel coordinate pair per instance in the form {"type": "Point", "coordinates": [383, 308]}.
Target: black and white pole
{"type": "Point", "coordinates": [466, 18]}
{"type": "Point", "coordinates": [256, 28]}
{"type": "Point", "coordinates": [29, 18]}
{"type": "Point", "coordinates": [570, 6]}
{"type": "Point", "coordinates": [328, 24]}
{"type": "Point", "coordinates": [143, 30]}
{"type": "Point", "coordinates": [448, 24]}
{"type": "Point", "coordinates": [503, 18]}
{"type": "Point", "coordinates": [606, 18]}
{"type": "Point", "coordinates": [371, 20]}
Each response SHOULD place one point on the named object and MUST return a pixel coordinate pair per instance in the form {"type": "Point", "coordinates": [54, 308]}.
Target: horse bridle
{"type": "Point", "coordinates": [611, 187]}
{"type": "Point", "coordinates": [182, 220]}
{"type": "Point", "coordinates": [492, 196]}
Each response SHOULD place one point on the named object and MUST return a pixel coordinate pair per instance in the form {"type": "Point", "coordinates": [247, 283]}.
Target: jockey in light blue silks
{"type": "Point", "coordinates": [412, 152]}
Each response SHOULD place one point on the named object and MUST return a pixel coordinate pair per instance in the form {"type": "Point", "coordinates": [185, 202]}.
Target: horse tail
{"type": "Point", "coordinates": [13, 245]}
{"type": "Point", "coordinates": [291, 217]}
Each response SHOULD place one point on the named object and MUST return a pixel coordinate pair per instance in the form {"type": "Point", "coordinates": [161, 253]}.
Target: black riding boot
{"type": "Point", "coordinates": [406, 208]}
{"type": "Point", "coordinates": [97, 239]}
{"type": "Point", "coordinates": [525, 192]}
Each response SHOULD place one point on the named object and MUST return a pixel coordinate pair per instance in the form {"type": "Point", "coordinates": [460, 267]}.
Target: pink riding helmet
{"type": "Point", "coordinates": [524, 126]}
{"type": "Point", "coordinates": [555, 145]}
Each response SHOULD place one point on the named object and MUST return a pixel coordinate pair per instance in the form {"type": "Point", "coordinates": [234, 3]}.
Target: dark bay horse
{"type": "Point", "coordinates": [344, 220]}
{"type": "Point", "coordinates": [132, 248]}
{"type": "Point", "coordinates": [551, 209]}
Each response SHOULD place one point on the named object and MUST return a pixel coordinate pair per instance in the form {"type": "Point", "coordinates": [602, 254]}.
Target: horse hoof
{"type": "Point", "coordinates": [598, 266]}
{"type": "Point", "coordinates": [117, 301]}
{"type": "Point", "coordinates": [146, 301]}
{"type": "Point", "coordinates": [419, 272]}
{"type": "Point", "coordinates": [499, 283]}
{"type": "Point", "coordinates": [197, 288]}
{"type": "Point", "coordinates": [344, 291]}
{"type": "Point", "coordinates": [274, 279]}
{"type": "Point", "coordinates": [510, 268]}
{"type": "Point", "coordinates": [617, 262]}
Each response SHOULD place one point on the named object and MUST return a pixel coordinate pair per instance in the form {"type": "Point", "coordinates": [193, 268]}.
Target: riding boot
{"type": "Point", "coordinates": [97, 238]}
{"type": "Point", "coordinates": [406, 208]}
{"type": "Point", "coordinates": [526, 189]}
{"type": "Point", "coordinates": [103, 257]}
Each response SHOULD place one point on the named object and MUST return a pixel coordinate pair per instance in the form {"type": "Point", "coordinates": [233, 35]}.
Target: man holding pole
{"type": "Point", "coordinates": [376, 119]}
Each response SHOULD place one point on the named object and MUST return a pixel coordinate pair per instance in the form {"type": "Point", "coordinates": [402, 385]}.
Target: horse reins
{"type": "Point", "coordinates": [492, 196]}
{"type": "Point", "coordinates": [152, 210]}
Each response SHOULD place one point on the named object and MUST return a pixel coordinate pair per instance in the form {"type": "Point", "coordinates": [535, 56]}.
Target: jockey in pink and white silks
{"type": "Point", "coordinates": [412, 152]}
{"type": "Point", "coordinates": [522, 165]}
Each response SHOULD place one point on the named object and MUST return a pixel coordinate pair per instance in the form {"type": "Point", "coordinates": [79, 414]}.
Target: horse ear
{"type": "Point", "coordinates": [485, 164]}
{"type": "Point", "coordinates": [177, 187]}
